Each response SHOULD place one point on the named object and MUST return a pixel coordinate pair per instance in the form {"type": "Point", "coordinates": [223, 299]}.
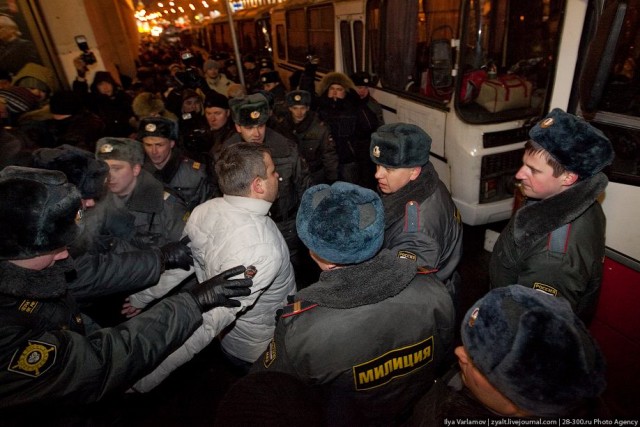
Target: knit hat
{"type": "Point", "coordinates": [270, 77]}
{"type": "Point", "coordinates": [298, 97]}
{"type": "Point", "coordinates": [574, 143]}
{"type": "Point", "coordinates": [80, 166]}
{"type": "Point", "coordinates": [533, 349]}
{"type": "Point", "coordinates": [400, 145]}
{"type": "Point", "coordinates": [126, 149]}
{"type": "Point", "coordinates": [210, 63]}
{"type": "Point", "coordinates": [215, 99]}
{"type": "Point", "coordinates": [36, 76]}
{"type": "Point", "coordinates": [65, 102]}
{"type": "Point", "coordinates": [250, 110]}
{"type": "Point", "coordinates": [341, 223]}
{"type": "Point", "coordinates": [38, 212]}
{"type": "Point", "coordinates": [157, 126]}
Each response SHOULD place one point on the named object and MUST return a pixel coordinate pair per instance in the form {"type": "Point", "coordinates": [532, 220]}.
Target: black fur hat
{"type": "Point", "coordinates": [342, 223]}
{"type": "Point", "coordinates": [215, 99]}
{"type": "Point", "coordinates": [269, 77]}
{"type": "Point", "coordinates": [81, 167]}
{"type": "Point", "coordinates": [250, 110]}
{"type": "Point", "coordinates": [574, 143]}
{"type": "Point", "coordinates": [534, 350]}
{"type": "Point", "coordinates": [157, 126]}
{"type": "Point", "coordinates": [298, 97]}
{"type": "Point", "coordinates": [362, 78]}
{"type": "Point", "coordinates": [127, 149]}
{"type": "Point", "coordinates": [38, 212]}
{"type": "Point", "coordinates": [400, 145]}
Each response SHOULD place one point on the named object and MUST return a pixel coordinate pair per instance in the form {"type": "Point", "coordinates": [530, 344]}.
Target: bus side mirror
{"type": "Point", "coordinates": [600, 57]}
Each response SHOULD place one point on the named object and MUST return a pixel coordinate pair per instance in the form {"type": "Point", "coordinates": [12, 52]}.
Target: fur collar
{"type": "Point", "coordinates": [419, 190]}
{"type": "Point", "coordinates": [542, 217]}
{"type": "Point", "coordinates": [36, 284]}
{"type": "Point", "coordinates": [370, 282]}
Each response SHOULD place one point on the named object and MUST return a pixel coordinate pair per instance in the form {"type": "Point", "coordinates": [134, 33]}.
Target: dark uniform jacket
{"type": "Point", "coordinates": [48, 357]}
{"type": "Point", "coordinates": [315, 145]}
{"type": "Point", "coordinates": [372, 336]}
{"type": "Point", "coordinates": [150, 216]}
{"type": "Point", "coordinates": [423, 224]}
{"type": "Point", "coordinates": [524, 254]}
{"type": "Point", "coordinates": [188, 178]}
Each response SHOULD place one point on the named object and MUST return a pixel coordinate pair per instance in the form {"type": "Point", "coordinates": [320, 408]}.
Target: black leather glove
{"type": "Point", "coordinates": [217, 291]}
{"type": "Point", "coordinates": [177, 255]}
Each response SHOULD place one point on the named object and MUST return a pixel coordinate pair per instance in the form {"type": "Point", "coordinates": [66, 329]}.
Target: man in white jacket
{"type": "Point", "coordinates": [232, 230]}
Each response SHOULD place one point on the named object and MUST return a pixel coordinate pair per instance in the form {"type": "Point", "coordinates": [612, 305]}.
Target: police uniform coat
{"type": "Point", "coordinates": [372, 336]}
{"type": "Point", "coordinates": [47, 356]}
{"type": "Point", "coordinates": [315, 145]}
{"type": "Point", "coordinates": [523, 254]}
{"type": "Point", "coordinates": [435, 241]}
{"type": "Point", "coordinates": [150, 216]}
{"type": "Point", "coordinates": [185, 176]}
{"type": "Point", "coordinates": [225, 232]}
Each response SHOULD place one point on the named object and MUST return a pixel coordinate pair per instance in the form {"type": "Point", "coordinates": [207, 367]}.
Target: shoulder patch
{"type": "Point", "coordinates": [407, 255]}
{"type": "Point", "coordinates": [545, 288]}
{"type": "Point", "coordinates": [270, 354]}
{"type": "Point", "coordinates": [297, 308]}
{"type": "Point", "coordinates": [28, 306]}
{"type": "Point", "coordinates": [392, 364]}
{"type": "Point", "coordinates": [33, 358]}
{"type": "Point", "coordinates": [196, 165]}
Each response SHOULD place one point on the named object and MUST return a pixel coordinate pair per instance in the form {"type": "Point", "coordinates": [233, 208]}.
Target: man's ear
{"type": "Point", "coordinates": [570, 178]}
{"type": "Point", "coordinates": [137, 168]}
{"type": "Point", "coordinates": [415, 173]}
{"type": "Point", "coordinates": [257, 186]}
{"type": "Point", "coordinates": [238, 128]}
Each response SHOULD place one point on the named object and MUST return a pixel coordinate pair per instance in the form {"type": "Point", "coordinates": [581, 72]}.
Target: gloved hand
{"type": "Point", "coordinates": [217, 291]}
{"type": "Point", "coordinates": [177, 255]}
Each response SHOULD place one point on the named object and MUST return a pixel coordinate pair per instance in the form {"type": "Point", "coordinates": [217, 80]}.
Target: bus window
{"type": "Point", "coordinates": [280, 42]}
{"type": "Point", "coordinates": [321, 35]}
{"type": "Point", "coordinates": [358, 42]}
{"type": "Point", "coordinates": [297, 36]}
{"type": "Point", "coordinates": [347, 48]}
{"type": "Point", "coordinates": [616, 111]}
{"type": "Point", "coordinates": [507, 55]}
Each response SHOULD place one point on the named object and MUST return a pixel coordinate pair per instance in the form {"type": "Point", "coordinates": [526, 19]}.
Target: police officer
{"type": "Point", "coordinates": [136, 208]}
{"type": "Point", "coordinates": [422, 223]}
{"type": "Point", "coordinates": [188, 178]}
{"type": "Point", "coordinates": [48, 356]}
{"type": "Point", "coordinates": [302, 125]}
{"type": "Point", "coordinates": [555, 243]}
{"type": "Point", "coordinates": [373, 332]}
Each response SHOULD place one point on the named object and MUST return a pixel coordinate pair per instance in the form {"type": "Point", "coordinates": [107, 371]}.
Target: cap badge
{"type": "Point", "coordinates": [366, 80]}
{"type": "Point", "coordinates": [106, 148]}
{"type": "Point", "coordinates": [255, 115]}
{"type": "Point", "coordinates": [376, 151]}
{"type": "Point", "coordinates": [264, 80]}
{"type": "Point", "coordinates": [473, 317]}
{"type": "Point", "coordinates": [297, 98]}
{"type": "Point", "coordinates": [150, 127]}
{"type": "Point", "coordinates": [546, 122]}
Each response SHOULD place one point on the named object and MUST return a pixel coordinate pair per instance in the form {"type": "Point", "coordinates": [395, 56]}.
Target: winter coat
{"type": "Point", "coordinates": [371, 336]}
{"type": "Point", "coordinates": [523, 253]}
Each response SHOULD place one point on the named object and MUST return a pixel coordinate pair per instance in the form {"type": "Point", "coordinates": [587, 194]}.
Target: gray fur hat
{"type": "Point", "coordinates": [81, 168]}
{"type": "Point", "coordinates": [38, 212]}
{"type": "Point", "coordinates": [126, 149]}
{"type": "Point", "coordinates": [534, 350]}
{"type": "Point", "coordinates": [400, 145]}
{"type": "Point", "coordinates": [574, 143]}
{"type": "Point", "coordinates": [250, 110]}
{"type": "Point", "coordinates": [157, 126]}
{"type": "Point", "coordinates": [298, 97]}
{"type": "Point", "coordinates": [342, 223]}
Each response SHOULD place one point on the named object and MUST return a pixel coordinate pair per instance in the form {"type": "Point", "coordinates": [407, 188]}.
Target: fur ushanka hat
{"type": "Point", "coordinates": [298, 97]}
{"type": "Point", "coordinates": [250, 110]}
{"type": "Point", "coordinates": [157, 126]}
{"type": "Point", "coordinates": [336, 78]}
{"type": "Point", "coordinates": [126, 149]}
{"type": "Point", "coordinates": [342, 223]}
{"type": "Point", "coordinates": [38, 212]}
{"type": "Point", "coordinates": [574, 143]}
{"type": "Point", "coordinates": [534, 350]}
{"type": "Point", "coordinates": [400, 145]}
{"type": "Point", "coordinates": [81, 167]}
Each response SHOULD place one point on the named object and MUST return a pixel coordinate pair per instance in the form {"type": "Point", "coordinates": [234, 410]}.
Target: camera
{"type": "Point", "coordinates": [87, 56]}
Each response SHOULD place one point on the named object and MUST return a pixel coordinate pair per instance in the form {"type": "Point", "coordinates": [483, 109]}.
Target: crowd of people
{"type": "Point", "coordinates": [314, 241]}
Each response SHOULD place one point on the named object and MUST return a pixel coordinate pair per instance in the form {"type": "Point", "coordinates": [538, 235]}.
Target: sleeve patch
{"type": "Point", "coordinates": [545, 288]}
{"type": "Point", "coordinates": [407, 255]}
{"type": "Point", "coordinates": [33, 359]}
{"type": "Point", "coordinates": [196, 165]}
{"type": "Point", "coordinates": [270, 354]}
